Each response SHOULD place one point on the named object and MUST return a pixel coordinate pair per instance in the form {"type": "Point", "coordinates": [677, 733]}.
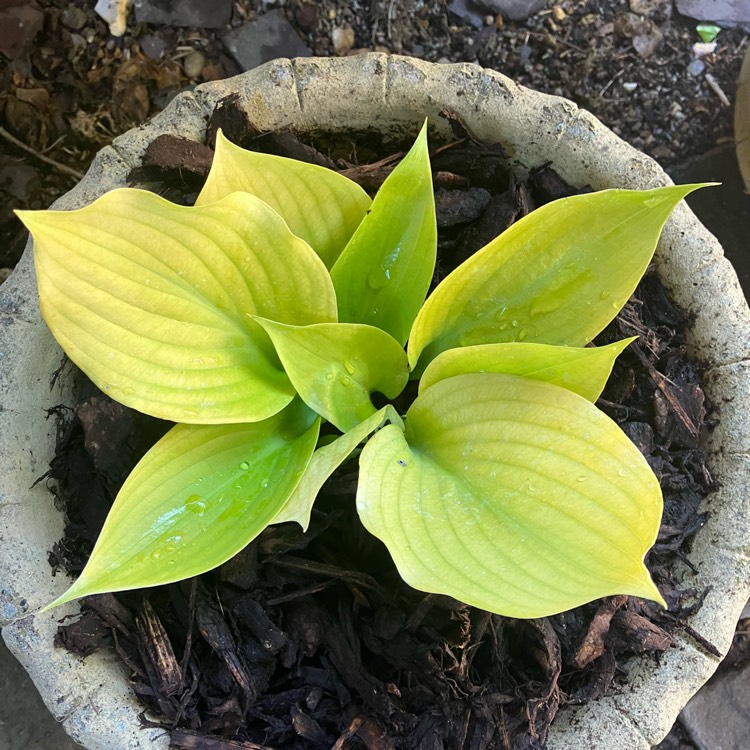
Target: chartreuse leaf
{"type": "Point", "coordinates": [153, 301]}
{"type": "Point", "coordinates": [196, 498]}
{"type": "Point", "coordinates": [336, 366]}
{"type": "Point", "coordinates": [512, 495]}
{"type": "Point", "coordinates": [326, 460]}
{"type": "Point", "coordinates": [383, 275]}
{"type": "Point", "coordinates": [319, 205]}
{"type": "Point", "coordinates": [557, 276]}
{"type": "Point", "coordinates": [583, 370]}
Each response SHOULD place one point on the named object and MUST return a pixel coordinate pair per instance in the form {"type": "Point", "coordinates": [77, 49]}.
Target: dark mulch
{"type": "Point", "coordinates": [67, 87]}
{"type": "Point", "coordinates": [312, 641]}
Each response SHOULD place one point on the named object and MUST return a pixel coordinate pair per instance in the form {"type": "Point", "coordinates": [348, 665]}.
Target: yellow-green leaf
{"type": "Point", "coordinates": [325, 461]}
{"type": "Point", "coordinates": [197, 498]}
{"type": "Point", "coordinates": [511, 495]}
{"type": "Point", "coordinates": [383, 275]}
{"type": "Point", "coordinates": [557, 276]}
{"type": "Point", "coordinates": [153, 301]}
{"type": "Point", "coordinates": [336, 366]}
{"type": "Point", "coordinates": [583, 370]}
{"type": "Point", "coordinates": [319, 205]}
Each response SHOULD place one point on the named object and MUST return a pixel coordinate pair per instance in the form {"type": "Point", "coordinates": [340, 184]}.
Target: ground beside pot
{"type": "Point", "coordinates": [389, 94]}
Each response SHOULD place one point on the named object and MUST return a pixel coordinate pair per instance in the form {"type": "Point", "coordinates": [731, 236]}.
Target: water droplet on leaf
{"type": "Point", "coordinates": [377, 279]}
{"type": "Point", "coordinates": [196, 504]}
{"type": "Point", "coordinates": [544, 306]}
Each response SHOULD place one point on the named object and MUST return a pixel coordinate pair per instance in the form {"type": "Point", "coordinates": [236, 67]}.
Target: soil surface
{"type": "Point", "coordinates": [312, 641]}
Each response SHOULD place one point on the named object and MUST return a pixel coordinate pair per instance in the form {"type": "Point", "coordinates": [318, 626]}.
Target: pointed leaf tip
{"type": "Point", "coordinates": [557, 276]}
{"type": "Point", "coordinates": [583, 370]}
{"type": "Point", "coordinates": [511, 495]}
{"type": "Point", "coordinates": [383, 275]}
{"type": "Point", "coordinates": [198, 497]}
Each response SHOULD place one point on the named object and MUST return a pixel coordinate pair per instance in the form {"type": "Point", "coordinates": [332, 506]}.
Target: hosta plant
{"type": "Point", "coordinates": [285, 298]}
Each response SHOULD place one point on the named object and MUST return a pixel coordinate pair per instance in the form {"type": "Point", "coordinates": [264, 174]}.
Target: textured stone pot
{"type": "Point", "coordinates": [392, 95]}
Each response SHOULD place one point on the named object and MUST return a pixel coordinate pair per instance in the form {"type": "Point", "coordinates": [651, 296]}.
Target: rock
{"type": "Point", "coordinates": [651, 7]}
{"type": "Point", "coordinates": [662, 152]}
{"type": "Point", "coordinates": [646, 43]}
{"type": "Point", "coordinates": [17, 179]}
{"type": "Point", "coordinates": [467, 11]}
{"type": "Point", "coordinates": [193, 64]}
{"type": "Point", "coordinates": [645, 34]}
{"type": "Point", "coordinates": [696, 68]}
{"type": "Point", "coordinates": [513, 10]}
{"type": "Point", "coordinates": [701, 49]}
{"type": "Point", "coordinates": [73, 17]}
{"type": "Point", "coordinates": [717, 716]}
{"type": "Point", "coordinates": [152, 46]}
{"type": "Point", "coordinates": [207, 14]}
{"type": "Point", "coordinates": [343, 40]}
{"type": "Point", "coordinates": [727, 12]}
{"type": "Point", "coordinates": [115, 13]}
{"type": "Point", "coordinates": [306, 17]}
{"type": "Point", "coordinates": [18, 26]}
{"type": "Point", "coordinates": [24, 719]}
{"type": "Point", "coordinates": [269, 37]}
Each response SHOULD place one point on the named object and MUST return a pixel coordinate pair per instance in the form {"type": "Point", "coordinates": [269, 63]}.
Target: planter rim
{"type": "Point", "coordinates": [390, 94]}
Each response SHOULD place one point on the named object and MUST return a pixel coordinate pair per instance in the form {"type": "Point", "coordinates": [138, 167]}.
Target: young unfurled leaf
{"type": "Point", "coordinates": [336, 366]}
{"type": "Point", "coordinates": [319, 205]}
{"type": "Point", "coordinates": [383, 275]}
{"type": "Point", "coordinates": [153, 300]}
{"type": "Point", "coordinates": [512, 495]}
{"type": "Point", "coordinates": [200, 495]}
{"type": "Point", "coordinates": [326, 460]}
{"type": "Point", "coordinates": [557, 276]}
{"type": "Point", "coordinates": [583, 370]}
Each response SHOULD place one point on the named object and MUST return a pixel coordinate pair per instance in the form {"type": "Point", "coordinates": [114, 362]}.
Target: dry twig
{"type": "Point", "coordinates": [46, 159]}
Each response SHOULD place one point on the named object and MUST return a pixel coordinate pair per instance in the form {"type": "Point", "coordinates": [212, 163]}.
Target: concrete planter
{"type": "Point", "coordinates": [389, 94]}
